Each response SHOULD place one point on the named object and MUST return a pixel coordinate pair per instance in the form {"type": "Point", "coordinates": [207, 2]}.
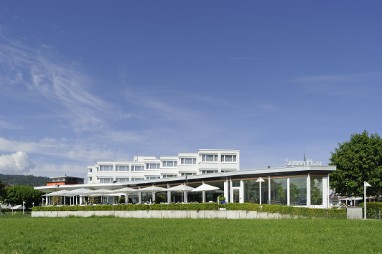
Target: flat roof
{"type": "Point", "coordinates": [274, 172]}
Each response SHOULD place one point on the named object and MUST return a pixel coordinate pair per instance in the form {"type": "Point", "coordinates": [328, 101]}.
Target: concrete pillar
{"type": "Point", "coordinates": [230, 191]}
{"type": "Point", "coordinates": [269, 190]}
{"type": "Point", "coordinates": [325, 192]}
{"type": "Point", "coordinates": [226, 190]}
{"type": "Point", "coordinates": [308, 202]}
{"type": "Point", "coordinates": [241, 192]}
{"type": "Point", "coordinates": [185, 199]}
{"type": "Point", "coordinates": [288, 192]}
{"type": "Point", "coordinates": [153, 196]}
{"type": "Point", "coordinates": [139, 197]}
{"type": "Point", "coordinates": [168, 195]}
{"type": "Point", "coordinates": [203, 196]}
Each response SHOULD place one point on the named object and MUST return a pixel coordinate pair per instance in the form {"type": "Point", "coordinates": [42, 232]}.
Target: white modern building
{"type": "Point", "coordinates": [299, 183]}
{"type": "Point", "coordinates": [205, 161]}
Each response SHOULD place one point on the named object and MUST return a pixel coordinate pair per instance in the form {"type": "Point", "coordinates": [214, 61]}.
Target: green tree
{"type": "Point", "coordinates": [358, 160]}
{"type": "Point", "coordinates": [2, 191]}
{"type": "Point", "coordinates": [15, 195]}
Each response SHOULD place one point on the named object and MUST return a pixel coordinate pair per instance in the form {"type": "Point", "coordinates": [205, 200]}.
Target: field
{"type": "Point", "coordinates": [116, 235]}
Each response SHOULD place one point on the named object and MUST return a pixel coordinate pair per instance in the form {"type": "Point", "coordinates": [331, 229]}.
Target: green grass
{"type": "Point", "coordinates": [117, 235]}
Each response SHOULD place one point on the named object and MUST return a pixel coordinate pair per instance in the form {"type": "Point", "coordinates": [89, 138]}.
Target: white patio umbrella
{"type": "Point", "coordinates": [203, 188]}
{"type": "Point", "coordinates": [152, 189]}
{"type": "Point", "coordinates": [101, 192]}
{"type": "Point", "coordinates": [182, 188]}
{"type": "Point", "coordinates": [125, 190]}
{"type": "Point", "coordinates": [57, 193]}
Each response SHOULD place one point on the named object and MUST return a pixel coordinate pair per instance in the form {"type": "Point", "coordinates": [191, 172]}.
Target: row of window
{"type": "Point", "coordinates": [169, 164]}
{"type": "Point", "coordinates": [127, 179]}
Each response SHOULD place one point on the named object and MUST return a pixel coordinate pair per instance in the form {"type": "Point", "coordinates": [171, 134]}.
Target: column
{"type": "Point", "coordinates": [185, 197]}
{"type": "Point", "coordinates": [288, 192]}
{"type": "Point", "coordinates": [269, 190]}
{"type": "Point", "coordinates": [308, 190]}
{"type": "Point", "coordinates": [325, 192]}
{"type": "Point", "coordinates": [241, 192]}
{"type": "Point", "coordinates": [226, 190]}
{"type": "Point", "coordinates": [230, 191]}
{"type": "Point", "coordinates": [139, 197]}
{"type": "Point", "coordinates": [168, 195]}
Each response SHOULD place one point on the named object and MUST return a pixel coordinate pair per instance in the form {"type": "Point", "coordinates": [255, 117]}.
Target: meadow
{"type": "Point", "coordinates": [117, 235]}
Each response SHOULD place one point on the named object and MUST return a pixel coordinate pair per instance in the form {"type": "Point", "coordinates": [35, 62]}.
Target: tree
{"type": "Point", "coordinates": [15, 195]}
{"type": "Point", "coordinates": [2, 191]}
{"type": "Point", "coordinates": [358, 160]}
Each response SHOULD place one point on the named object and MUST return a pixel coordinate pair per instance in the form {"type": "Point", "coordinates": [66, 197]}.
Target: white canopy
{"type": "Point", "coordinates": [125, 190]}
{"type": "Point", "coordinates": [78, 192]}
{"type": "Point", "coordinates": [205, 187]}
{"type": "Point", "coordinates": [101, 192]}
{"type": "Point", "coordinates": [57, 193]}
{"type": "Point", "coordinates": [152, 189]}
{"type": "Point", "coordinates": [181, 188]}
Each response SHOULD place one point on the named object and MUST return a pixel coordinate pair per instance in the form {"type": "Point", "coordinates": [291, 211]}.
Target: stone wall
{"type": "Point", "coordinates": [174, 214]}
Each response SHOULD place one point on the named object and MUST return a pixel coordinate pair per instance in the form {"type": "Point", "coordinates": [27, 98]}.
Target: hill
{"type": "Point", "coordinates": [24, 180]}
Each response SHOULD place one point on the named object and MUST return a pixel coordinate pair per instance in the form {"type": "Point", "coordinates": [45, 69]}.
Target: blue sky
{"type": "Point", "coordinates": [87, 81]}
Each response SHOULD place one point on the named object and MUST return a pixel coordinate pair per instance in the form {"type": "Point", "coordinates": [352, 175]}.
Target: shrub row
{"type": "Point", "coordinates": [374, 210]}
{"type": "Point", "coordinates": [294, 211]}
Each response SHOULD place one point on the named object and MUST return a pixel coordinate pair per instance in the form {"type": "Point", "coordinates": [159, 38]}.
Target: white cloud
{"type": "Point", "coordinates": [15, 163]}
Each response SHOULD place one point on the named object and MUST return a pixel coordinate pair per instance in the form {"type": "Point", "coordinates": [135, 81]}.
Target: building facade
{"type": "Point", "coordinates": [205, 161]}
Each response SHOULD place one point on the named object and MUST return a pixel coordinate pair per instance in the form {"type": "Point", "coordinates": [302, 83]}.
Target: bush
{"type": "Point", "coordinates": [293, 211]}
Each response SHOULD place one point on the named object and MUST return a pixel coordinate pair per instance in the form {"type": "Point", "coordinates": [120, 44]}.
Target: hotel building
{"type": "Point", "coordinates": [298, 183]}
{"type": "Point", "coordinates": [205, 161]}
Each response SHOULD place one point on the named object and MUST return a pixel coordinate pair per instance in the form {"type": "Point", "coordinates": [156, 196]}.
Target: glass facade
{"type": "Point", "coordinates": [252, 191]}
{"type": "Point", "coordinates": [297, 190]}
{"type": "Point", "coordinates": [279, 191]}
{"type": "Point", "coordinates": [316, 187]}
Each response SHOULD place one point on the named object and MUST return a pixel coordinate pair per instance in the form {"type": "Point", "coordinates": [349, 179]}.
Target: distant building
{"type": "Point", "coordinates": [205, 161]}
{"type": "Point", "coordinates": [64, 180]}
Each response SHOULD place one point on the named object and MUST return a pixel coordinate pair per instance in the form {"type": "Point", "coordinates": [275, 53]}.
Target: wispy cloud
{"type": "Point", "coordinates": [60, 148]}
{"type": "Point", "coordinates": [57, 81]}
{"type": "Point", "coordinates": [356, 84]}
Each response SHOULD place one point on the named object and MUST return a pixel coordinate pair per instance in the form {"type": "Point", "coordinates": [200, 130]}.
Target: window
{"type": "Point", "coordinates": [169, 176]}
{"type": "Point", "coordinates": [209, 157]}
{"type": "Point", "coordinates": [106, 168]}
{"type": "Point", "coordinates": [188, 174]}
{"type": "Point", "coordinates": [122, 179]}
{"type": "Point", "coordinates": [137, 168]}
{"type": "Point", "coordinates": [152, 166]}
{"type": "Point", "coordinates": [169, 164]}
{"type": "Point", "coordinates": [90, 170]}
{"type": "Point", "coordinates": [122, 168]}
{"type": "Point", "coordinates": [106, 180]}
{"type": "Point", "coordinates": [228, 158]}
{"type": "Point", "coordinates": [137, 179]}
{"type": "Point", "coordinates": [152, 177]}
{"type": "Point", "coordinates": [90, 179]}
{"type": "Point", "coordinates": [209, 172]}
{"type": "Point", "coordinates": [187, 161]}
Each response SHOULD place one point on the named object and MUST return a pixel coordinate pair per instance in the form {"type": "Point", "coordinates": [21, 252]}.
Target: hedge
{"type": "Point", "coordinates": [294, 211]}
{"type": "Point", "coordinates": [373, 210]}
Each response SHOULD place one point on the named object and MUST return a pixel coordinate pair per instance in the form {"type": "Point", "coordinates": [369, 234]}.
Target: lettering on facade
{"type": "Point", "coordinates": [307, 162]}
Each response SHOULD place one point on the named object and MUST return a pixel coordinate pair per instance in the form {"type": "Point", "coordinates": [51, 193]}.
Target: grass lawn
{"type": "Point", "coordinates": [117, 235]}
